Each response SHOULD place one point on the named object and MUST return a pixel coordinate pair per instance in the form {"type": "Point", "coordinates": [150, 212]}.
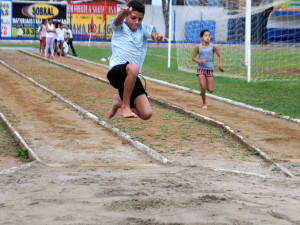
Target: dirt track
{"type": "Point", "coordinates": [190, 193]}
{"type": "Point", "coordinates": [277, 137]}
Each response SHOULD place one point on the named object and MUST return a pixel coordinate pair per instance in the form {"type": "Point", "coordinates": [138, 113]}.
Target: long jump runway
{"type": "Point", "coordinates": [212, 179]}
{"type": "Point", "coordinates": [58, 134]}
{"type": "Point", "coordinates": [87, 143]}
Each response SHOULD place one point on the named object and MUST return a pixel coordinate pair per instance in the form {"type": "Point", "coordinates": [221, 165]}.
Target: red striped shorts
{"type": "Point", "coordinates": [207, 73]}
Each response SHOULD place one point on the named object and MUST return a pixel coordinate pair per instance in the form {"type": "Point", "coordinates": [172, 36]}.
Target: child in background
{"type": "Point", "coordinates": [65, 48]}
{"type": "Point", "coordinates": [42, 37]}
{"type": "Point", "coordinates": [129, 46]}
{"type": "Point", "coordinates": [205, 71]}
{"type": "Point", "coordinates": [60, 38]}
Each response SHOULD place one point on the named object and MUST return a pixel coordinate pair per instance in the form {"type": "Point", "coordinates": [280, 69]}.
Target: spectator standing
{"type": "Point", "coordinates": [50, 31]}
{"type": "Point", "coordinates": [70, 39]}
{"type": "Point", "coordinates": [60, 36]}
{"type": "Point", "coordinates": [42, 37]}
{"type": "Point", "coordinates": [20, 29]}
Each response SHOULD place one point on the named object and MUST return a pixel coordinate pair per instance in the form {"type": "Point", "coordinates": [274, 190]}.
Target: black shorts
{"type": "Point", "coordinates": [117, 76]}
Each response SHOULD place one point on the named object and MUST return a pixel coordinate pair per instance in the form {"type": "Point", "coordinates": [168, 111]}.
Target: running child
{"type": "Point", "coordinates": [205, 71]}
{"type": "Point", "coordinates": [129, 46]}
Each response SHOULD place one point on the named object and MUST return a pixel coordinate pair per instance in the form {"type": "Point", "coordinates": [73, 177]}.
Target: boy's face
{"type": "Point", "coordinates": [134, 20]}
{"type": "Point", "coordinates": [206, 36]}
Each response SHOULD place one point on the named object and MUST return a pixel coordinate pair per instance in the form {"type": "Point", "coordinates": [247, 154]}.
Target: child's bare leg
{"type": "Point", "coordinates": [210, 84]}
{"type": "Point", "coordinates": [40, 50]}
{"type": "Point", "coordinates": [132, 73]}
{"type": "Point", "coordinates": [116, 104]}
{"type": "Point", "coordinates": [61, 49]}
{"type": "Point", "coordinates": [202, 81]}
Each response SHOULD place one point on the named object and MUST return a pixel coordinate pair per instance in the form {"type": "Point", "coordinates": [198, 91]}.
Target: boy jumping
{"type": "Point", "coordinates": [129, 46]}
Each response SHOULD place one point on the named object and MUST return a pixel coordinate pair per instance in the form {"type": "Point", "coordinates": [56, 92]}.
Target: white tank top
{"type": "Point", "coordinates": [50, 27]}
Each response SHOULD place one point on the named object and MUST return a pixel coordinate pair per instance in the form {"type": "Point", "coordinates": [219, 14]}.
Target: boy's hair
{"type": "Point", "coordinates": [202, 32]}
{"type": "Point", "coordinates": [136, 6]}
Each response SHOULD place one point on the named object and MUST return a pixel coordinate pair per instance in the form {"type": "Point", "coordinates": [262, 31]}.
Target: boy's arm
{"type": "Point", "coordinates": [220, 58]}
{"type": "Point", "coordinates": [194, 56]}
{"type": "Point", "coordinates": [158, 37]}
{"type": "Point", "coordinates": [121, 15]}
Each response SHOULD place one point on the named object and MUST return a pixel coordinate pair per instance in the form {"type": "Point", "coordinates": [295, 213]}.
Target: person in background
{"type": "Point", "coordinates": [60, 38]}
{"type": "Point", "coordinates": [65, 49]}
{"type": "Point", "coordinates": [50, 31]}
{"type": "Point", "coordinates": [70, 39]}
{"type": "Point", "coordinates": [42, 37]}
{"type": "Point", "coordinates": [20, 29]}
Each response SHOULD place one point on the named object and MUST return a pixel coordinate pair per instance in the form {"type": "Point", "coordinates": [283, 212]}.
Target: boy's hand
{"type": "Point", "coordinates": [121, 15]}
{"type": "Point", "coordinates": [221, 68]}
{"type": "Point", "coordinates": [203, 61]}
{"type": "Point", "coordinates": [159, 37]}
{"type": "Point", "coordinates": [125, 11]}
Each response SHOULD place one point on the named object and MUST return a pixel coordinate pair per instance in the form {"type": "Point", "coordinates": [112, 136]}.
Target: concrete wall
{"type": "Point", "coordinates": [154, 16]}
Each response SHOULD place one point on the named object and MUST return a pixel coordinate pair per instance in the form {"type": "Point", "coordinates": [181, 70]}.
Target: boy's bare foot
{"type": "Point", "coordinates": [116, 104]}
{"type": "Point", "coordinates": [127, 113]}
{"type": "Point", "coordinates": [204, 107]}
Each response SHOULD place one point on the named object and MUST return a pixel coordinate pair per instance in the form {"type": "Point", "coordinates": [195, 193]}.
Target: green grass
{"type": "Point", "coordinates": [9, 147]}
{"type": "Point", "coordinates": [278, 96]}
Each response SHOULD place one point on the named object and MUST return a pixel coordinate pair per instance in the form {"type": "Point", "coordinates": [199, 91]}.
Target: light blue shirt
{"type": "Point", "coordinates": [129, 46]}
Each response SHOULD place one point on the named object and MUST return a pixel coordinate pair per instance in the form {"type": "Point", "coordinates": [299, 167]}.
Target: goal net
{"type": "Point", "coordinates": [275, 36]}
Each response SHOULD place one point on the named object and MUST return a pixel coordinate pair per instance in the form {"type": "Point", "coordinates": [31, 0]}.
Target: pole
{"type": "Point", "coordinates": [105, 28]}
{"type": "Point", "coordinates": [248, 40]}
{"type": "Point", "coordinates": [170, 31]}
{"type": "Point", "coordinates": [70, 19]}
{"type": "Point", "coordinates": [174, 26]}
{"type": "Point", "coordinates": [34, 22]}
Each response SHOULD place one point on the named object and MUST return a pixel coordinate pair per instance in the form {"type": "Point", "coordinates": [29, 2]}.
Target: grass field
{"type": "Point", "coordinates": [278, 96]}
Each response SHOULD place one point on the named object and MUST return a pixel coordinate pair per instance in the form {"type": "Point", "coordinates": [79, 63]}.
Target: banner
{"type": "Point", "coordinates": [6, 10]}
{"type": "Point", "coordinates": [89, 19]}
{"type": "Point", "coordinates": [28, 16]}
{"type": "Point", "coordinates": [293, 5]}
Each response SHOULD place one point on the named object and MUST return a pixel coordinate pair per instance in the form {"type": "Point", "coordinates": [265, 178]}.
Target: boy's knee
{"type": "Point", "coordinates": [133, 69]}
{"type": "Point", "coordinates": [146, 115]}
{"type": "Point", "coordinates": [211, 90]}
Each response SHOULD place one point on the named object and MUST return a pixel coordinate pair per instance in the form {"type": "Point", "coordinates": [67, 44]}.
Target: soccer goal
{"type": "Point", "coordinates": [273, 36]}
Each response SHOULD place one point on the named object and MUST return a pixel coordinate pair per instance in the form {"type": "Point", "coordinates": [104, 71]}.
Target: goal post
{"type": "Point", "coordinates": [258, 39]}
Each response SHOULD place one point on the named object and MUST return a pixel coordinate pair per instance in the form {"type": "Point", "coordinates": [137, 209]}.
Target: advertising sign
{"type": "Point", "coordinates": [290, 8]}
{"type": "Point", "coordinates": [5, 10]}
{"type": "Point", "coordinates": [293, 5]}
{"type": "Point", "coordinates": [28, 16]}
{"type": "Point", "coordinates": [89, 19]}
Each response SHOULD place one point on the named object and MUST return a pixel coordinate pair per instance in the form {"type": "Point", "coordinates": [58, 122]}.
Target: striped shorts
{"type": "Point", "coordinates": [207, 73]}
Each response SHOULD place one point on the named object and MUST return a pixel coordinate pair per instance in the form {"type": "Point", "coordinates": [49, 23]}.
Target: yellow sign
{"type": "Point", "coordinates": [91, 20]}
{"type": "Point", "coordinates": [41, 11]}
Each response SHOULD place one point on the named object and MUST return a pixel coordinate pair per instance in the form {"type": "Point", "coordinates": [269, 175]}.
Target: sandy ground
{"type": "Point", "coordinates": [93, 177]}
